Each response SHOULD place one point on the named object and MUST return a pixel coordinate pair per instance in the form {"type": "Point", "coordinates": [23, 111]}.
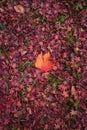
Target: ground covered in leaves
{"type": "Point", "coordinates": [31, 99]}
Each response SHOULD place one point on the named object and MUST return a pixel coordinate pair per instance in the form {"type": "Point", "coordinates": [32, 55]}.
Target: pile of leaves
{"type": "Point", "coordinates": [43, 65]}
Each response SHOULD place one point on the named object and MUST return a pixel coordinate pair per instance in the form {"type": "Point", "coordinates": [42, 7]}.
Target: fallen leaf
{"type": "Point", "coordinates": [1, 10]}
{"type": "Point", "coordinates": [19, 9]}
{"type": "Point", "coordinates": [48, 65]}
{"type": "Point", "coordinates": [65, 94]}
{"type": "Point", "coordinates": [73, 92]}
{"type": "Point", "coordinates": [46, 57]}
{"type": "Point", "coordinates": [73, 112]}
{"type": "Point", "coordinates": [43, 62]}
{"type": "Point", "coordinates": [39, 61]}
{"type": "Point", "coordinates": [1, 107]}
{"type": "Point", "coordinates": [19, 104]}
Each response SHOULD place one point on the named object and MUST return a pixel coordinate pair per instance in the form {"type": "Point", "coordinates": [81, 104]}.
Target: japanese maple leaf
{"type": "Point", "coordinates": [43, 62]}
{"type": "Point", "coordinates": [1, 107]}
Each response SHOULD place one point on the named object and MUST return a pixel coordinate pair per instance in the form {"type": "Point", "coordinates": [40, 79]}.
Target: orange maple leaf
{"type": "Point", "coordinates": [46, 57]}
{"type": "Point", "coordinates": [43, 62]}
{"type": "Point", "coordinates": [47, 66]}
{"type": "Point", "coordinates": [39, 61]}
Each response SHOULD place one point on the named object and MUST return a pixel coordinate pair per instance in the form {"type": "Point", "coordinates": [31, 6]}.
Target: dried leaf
{"type": "Point", "coordinates": [42, 62]}
{"type": "Point", "coordinates": [39, 61]}
{"type": "Point", "coordinates": [19, 9]}
{"type": "Point", "coordinates": [48, 65]}
{"type": "Point", "coordinates": [46, 57]}
{"type": "Point", "coordinates": [73, 92]}
{"type": "Point", "coordinates": [65, 94]}
{"type": "Point", "coordinates": [73, 112]}
{"type": "Point", "coordinates": [1, 10]}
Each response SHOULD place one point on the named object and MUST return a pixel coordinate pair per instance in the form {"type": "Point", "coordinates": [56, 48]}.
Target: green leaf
{"type": "Point", "coordinates": [61, 19]}
{"type": "Point", "coordinates": [12, 1]}
{"type": "Point", "coordinates": [70, 101]}
{"type": "Point", "coordinates": [79, 6]}
{"type": "Point", "coordinates": [14, 128]}
{"type": "Point", "coordinates": [79, 76]}
{"type": "Point", "coordinates": [27, 44]}
{"type": "Point", "coordinates": [74, 117]}
{"type": "Point", "coordinates": [35, 24]}
{"type": "Point", "coordinates": [67, 66]}
{"type": "Point", "coordinates": [44, 18]}
{"type": "Point", "coordinates": [51, 78]}
{"type": "Point", "coordinates": [71, 38]}
{"type": "Point", "coordinates": [36, 14]}
{"type": "Point", "coordinates": [2, 27]}
{"type": "Point", "coordinates": [58, 81]}
{"type": "Point", "coordinates": [5, 52]}
{"type": "Point", "coordinates": [24, 75]}
{"type": "Point", "coordinates": [23, 64]}
{"type": "Point", "coordinates": [0, 4]}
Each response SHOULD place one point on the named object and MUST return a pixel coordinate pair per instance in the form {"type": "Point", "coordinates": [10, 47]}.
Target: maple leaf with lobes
{"type": "Point", "coordinates": [43, 62]}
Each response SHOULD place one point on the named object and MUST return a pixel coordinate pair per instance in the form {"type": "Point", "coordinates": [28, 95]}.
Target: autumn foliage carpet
{"type": "Point", "coordinates": [43, 65]}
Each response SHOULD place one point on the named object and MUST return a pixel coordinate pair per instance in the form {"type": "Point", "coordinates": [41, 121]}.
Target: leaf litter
{"type": "Point", "coordinates": [34, 35]}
